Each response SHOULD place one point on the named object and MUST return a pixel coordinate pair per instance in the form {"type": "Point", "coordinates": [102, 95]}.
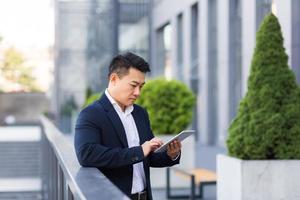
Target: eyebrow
{"type": "Point", "coordinates": [138, 82]}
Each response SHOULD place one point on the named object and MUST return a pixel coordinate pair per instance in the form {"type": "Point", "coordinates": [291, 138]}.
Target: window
{"type": "Point", "coordinates": [180, 47]}
{"type": "Point", "coordinates": [164, 51]}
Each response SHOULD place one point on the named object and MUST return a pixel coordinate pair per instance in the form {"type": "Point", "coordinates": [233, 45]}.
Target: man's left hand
{"type": "Point", "coordinates": [173, 149]}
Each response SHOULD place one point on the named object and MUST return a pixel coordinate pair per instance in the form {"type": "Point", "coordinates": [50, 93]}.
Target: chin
{"type": "Point", "coordinates": [131, 102]}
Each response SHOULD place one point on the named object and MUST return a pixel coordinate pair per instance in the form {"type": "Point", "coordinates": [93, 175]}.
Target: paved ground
{"type": "Point", "coordinates": [205, 158]}
{"type": "Point", "coordinates": [209, 193]}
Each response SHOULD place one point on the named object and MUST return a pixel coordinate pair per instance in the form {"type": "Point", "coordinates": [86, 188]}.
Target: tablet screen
{"type": "Point", "coordinates": [181, 136]}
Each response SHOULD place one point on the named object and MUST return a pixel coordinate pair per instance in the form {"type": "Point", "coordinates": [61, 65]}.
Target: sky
{"type": "Point", "coordinates": [28, 26]}
{"type": "Point", "coordinates": [27, 23]}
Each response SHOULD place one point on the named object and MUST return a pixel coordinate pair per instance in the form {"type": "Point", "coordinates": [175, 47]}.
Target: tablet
{"type": "Point", "coordinates": [181, 136]}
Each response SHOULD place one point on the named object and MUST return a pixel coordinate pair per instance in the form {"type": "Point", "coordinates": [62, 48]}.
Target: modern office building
{"type": "Point", "coordinates": [208, 44]}
{"type": "Point", "coordinates": [88, 33]}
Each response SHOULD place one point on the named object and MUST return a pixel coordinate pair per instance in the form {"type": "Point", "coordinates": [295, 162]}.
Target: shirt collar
{"type": "Point", "coordinates": [128, 109]}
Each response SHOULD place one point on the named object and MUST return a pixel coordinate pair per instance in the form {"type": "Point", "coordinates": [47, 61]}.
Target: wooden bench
{"type": "Point", "coordinates": [199, 177]}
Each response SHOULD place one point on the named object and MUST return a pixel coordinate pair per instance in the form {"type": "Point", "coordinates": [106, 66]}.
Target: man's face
{"type": "Point", "coordinates": [127, 88]}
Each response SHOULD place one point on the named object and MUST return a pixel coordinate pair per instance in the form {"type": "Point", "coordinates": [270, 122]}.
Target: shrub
{"type": "Point", "coordinates": [169, 104]}
{"type": "Point", "coordinates": [68, 107]}
{"type": "Point", "coordinates": [91, 98]}
{"type": "Point", "coordinates": [267, 125]}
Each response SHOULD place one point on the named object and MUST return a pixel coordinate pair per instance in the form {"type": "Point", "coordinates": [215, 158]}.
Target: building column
{"type": "Point", "coordinates": [284, 15]}
{"type": "Point", "coordinates": [248, 39]}
{"type": "Point", "coordinates": [203, 72]}
{"type": "Point", "coordinates": [174, 47]}
{"type": "Point", "coordinates": [186, 44]}
{"type": "Point", "coordinates": [223, 70]}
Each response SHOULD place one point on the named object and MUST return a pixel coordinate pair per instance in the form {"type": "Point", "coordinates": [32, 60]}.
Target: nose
{"type": "Point", "coordinates": [137, 91]}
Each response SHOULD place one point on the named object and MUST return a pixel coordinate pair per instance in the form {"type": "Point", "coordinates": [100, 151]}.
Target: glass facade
{"type": "Point", "coordinates": [102, 45]}
{"type": "Point", "coordinates": [126, 25]}
{"type": "Point", "coordinates": [134, 27]}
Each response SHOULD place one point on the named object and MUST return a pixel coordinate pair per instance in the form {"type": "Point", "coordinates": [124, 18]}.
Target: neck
{"type": "Point", "coordinates": [112, 94]}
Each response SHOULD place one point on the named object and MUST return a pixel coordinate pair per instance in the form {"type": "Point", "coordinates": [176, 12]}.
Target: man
{"type": "Point", "coordinates": [114, 135]}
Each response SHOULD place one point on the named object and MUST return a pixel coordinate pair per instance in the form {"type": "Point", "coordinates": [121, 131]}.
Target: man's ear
{"type": "Point", "coordinates": [113, 78]}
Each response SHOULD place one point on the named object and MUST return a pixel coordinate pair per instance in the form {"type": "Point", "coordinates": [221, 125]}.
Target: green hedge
{"type": "Point", "coordinates": [267, 125]}
{"type": "Point", "coordinates": [91, 98]}
{"type": "Point", "coordinates": [169, 104]}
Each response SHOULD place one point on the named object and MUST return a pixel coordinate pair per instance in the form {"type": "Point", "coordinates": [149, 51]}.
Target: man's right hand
{"type": "Point", "coordinates": [151, 145]}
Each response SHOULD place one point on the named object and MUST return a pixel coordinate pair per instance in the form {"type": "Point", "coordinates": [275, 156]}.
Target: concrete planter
{"type": "Point", "coordinates": [187, 161]}
{"type": "Point", "coordinates": [257, 179]}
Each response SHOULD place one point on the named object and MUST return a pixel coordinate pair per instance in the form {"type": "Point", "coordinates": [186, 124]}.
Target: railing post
{"type": "Point", "coordinates": [69, 194]}
{"type": "Point", "coordinates": [54, 176]}
{"type": "Point", "coordinates": [60, 181]}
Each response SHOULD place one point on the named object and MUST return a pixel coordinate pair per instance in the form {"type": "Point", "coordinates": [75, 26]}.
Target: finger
{"type": "Point", "coordinates": [172, 146]}
{"type": "Point", "coordinates": [156, 139]}
{"type": "Point", "coordinates": [169, 147]}
{"type": "Point", "coordinates": [155, 145]}
{"type": "Point", "coordinates": [159, 141]}
{"type": "Point", "coordinates": [177, 145]}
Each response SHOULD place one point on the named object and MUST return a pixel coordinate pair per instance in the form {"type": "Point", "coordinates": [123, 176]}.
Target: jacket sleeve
{"type": "Point", "coordinates": [159, 159]}
{"type": "Point", "coordinates": [90, 152]}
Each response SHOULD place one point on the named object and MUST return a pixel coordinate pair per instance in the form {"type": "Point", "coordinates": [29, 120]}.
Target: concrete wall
{"type": "Point", "coordinates": [25, 107]}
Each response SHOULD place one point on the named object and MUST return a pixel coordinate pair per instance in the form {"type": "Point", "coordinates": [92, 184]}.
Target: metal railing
{"type": "Point", "coordinates": [62, 176]}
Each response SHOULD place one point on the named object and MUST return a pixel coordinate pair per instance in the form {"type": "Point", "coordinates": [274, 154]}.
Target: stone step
{"type": "Point", "coordinates": [20, 158]}
{"type": "Point", "coordinates": [20, 189]}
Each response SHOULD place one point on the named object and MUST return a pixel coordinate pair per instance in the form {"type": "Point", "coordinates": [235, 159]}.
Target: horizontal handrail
{"type": "Point", "coordinates": [83, 182]}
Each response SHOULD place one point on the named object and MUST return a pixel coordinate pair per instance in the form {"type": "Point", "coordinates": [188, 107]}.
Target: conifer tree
{"type": "Point", "coordinates": [267, 125]}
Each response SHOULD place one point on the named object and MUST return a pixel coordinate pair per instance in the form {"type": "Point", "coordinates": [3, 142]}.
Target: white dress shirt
{"type": "Point", "coordinates": [138, 179]}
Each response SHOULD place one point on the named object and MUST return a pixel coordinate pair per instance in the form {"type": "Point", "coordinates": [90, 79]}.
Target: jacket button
{"type": "Point", "coordinates": [135, 158]}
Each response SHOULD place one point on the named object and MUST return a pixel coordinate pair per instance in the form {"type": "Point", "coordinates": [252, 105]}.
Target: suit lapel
{"type": "Point", "coordinates": [139, 125]}
{"type": "Point", "coordinates": [115, 119]}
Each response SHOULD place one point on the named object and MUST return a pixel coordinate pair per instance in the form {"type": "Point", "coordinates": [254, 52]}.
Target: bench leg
{"type": "Point", "coordinates": [168, 183]}
{"type": "Point", "coordinates": [192, 195]}
{"type": "Point", "coordinates": [169, 195]}
{"type": "Point", "coordinates": [201, 187]}
{"type": "Point", "coordinates": [201, 190]}
{"type": "Point", "coordinates": [193, 185]}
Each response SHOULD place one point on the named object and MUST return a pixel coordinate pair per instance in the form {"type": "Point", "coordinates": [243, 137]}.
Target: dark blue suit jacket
{"type": "Point", "coordinates": [100, 141]}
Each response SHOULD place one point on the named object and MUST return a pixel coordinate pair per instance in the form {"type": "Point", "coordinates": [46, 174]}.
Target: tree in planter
{"type": "Point", "coordinates": [169, 104]}
{"type": "Point", "coordinates": [267, 125]}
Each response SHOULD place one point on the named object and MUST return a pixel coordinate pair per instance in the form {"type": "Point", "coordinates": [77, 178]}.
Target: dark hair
{"type": "Point", "coordinates": [121, 64]}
